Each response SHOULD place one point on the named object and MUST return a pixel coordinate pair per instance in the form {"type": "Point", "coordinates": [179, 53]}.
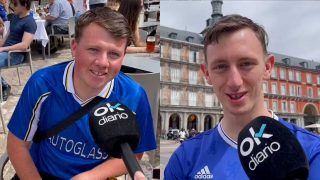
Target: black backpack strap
{"type": "Point", "coordinates": [39, 136]}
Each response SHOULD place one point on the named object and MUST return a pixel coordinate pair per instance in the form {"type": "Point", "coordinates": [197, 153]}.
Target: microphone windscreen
{"type": "Point", "coordinates": [111, 124]}
{"type": "Point", "coordinates": [268, 150]}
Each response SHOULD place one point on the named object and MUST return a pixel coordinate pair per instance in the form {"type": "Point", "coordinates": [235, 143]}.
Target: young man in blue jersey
{"type": "Point", "coordinates": [236, 63]}
{"type": "Point", "coordinates": [55, 92]}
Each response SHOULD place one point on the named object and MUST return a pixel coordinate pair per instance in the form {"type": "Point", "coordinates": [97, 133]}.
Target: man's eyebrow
{"type": "Point", "coordinates": [248, 58]}
{"type": "Point", "coordinates": [217, 61]}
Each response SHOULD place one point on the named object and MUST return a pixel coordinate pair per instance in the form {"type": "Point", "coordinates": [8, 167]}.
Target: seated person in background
{"type": "Point", "coordinates": [72, 7]}
{"type": "Point", "coordinates": [131, 9]}
{"type": "Point", "coordinates": [97, 3]}
{"type": "Point", "coordinates": [19, 37]}
{"type": "Point", "coordinates": [3, 11]}
{"type": "Point", "coordinates": [59, 13]}
{"type": "Point", "coordinates": [80, 6]}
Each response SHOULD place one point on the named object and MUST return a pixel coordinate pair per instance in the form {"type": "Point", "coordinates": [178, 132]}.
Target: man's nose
{"type": "Point", "coordinates": [234, 79]}
{"type": "Point", "coordinates": [103, 60]}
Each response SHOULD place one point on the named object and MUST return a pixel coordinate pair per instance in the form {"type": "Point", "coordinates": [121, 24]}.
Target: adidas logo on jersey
{"type": "Point", "coordinates": [204, 173]}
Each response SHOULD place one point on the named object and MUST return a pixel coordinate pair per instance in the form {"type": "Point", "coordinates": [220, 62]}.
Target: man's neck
{"type": "Point", "coordinates": [24, 14]}
{"type": "Point", "coordinates": [232, 124]}
{"type": "Point", "coordinates": [83, 91]}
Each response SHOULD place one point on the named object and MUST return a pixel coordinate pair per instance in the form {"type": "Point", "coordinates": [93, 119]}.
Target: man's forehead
{"type": "Point", "coordinates": [240, 34]}
{"type": "Point", "coordinates": [242, 42]}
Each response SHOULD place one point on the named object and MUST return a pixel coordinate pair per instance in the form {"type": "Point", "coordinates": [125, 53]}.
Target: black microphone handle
{"type": "Point", "coordinates": [130, 159]}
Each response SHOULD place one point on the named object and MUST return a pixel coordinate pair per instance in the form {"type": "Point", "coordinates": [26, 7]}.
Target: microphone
{"type": "Point", "coordinates": [116, 131]}
{"type": "Point", "coordinates": [268, 150]}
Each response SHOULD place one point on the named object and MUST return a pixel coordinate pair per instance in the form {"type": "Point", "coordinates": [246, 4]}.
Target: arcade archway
{"type": "Point", "coordinates": [207, 122]}
{"type": "Point", "coordinates": [310, 114]}
{"type": "Point", "coordinates": [192, 122]}
{"type": "Point", "coordinates": [174, 121]}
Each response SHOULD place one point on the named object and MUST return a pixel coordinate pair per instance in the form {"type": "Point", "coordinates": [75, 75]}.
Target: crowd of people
{"type": "Point", "coordinates": [181, 135]}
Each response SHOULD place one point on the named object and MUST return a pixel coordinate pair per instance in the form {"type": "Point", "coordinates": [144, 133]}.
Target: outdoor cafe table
{"type": "Point", "coordinates": [41, 33]}
{"type": "Point", "coordinates": [148, 62]}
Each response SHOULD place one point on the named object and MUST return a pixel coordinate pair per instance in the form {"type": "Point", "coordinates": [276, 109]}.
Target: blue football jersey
{"type": "Point", "coordinates": [213, 155]}
{"type": "Point", "coordinates": [49, 97]}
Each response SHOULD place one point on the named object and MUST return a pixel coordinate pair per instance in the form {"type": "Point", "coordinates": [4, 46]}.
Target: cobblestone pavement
{"type": "Point", "coordinates": [12, 75]}
{"type": "Point", "coordinates": [167, 147]}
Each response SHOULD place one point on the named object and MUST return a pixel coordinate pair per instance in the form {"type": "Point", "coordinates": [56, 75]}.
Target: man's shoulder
{"type": "Point", "coordinates": [28, 19]}
{"type": "Point", "coordinates": [300, 132]}
{"type": "Point", "coordinates": [125, 84]}
{"type": "Point", "coordinates": [28, 23]}
{"type": "Point", "coordinates": [193, 145]}
{"type": "Point", "coordinates": [50, 73]}
{"type": "Point", "coordinates": [308, 140]}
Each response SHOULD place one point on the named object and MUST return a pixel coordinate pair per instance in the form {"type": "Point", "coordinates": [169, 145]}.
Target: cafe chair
{"type": "Point", "coordinates": [27, 62]}
{"type": "Point", "coordinates": [3, 162]}
{"type": "Point", "coordinates": [2, 119]}
{"type": "Point", "coordinates": [70, 34]}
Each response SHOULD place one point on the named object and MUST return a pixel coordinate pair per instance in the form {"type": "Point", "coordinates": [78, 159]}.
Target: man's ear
{"type": "Point", "coordinates": [269, 65]}
{"type": "Point", "coordinates": [74, 45]}
{"type": "Point", "coordinates": [204, 70]}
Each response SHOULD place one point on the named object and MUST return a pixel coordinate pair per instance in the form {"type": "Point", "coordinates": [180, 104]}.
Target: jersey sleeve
{"type": "Point", "coordinates": [314, 171]}
{"type": "Point", "coordinates": [30, 26]}
{"type": "Point", "coordinates": [144, 117]}
{"type": "Point", "coordinates": [174, 168]}
{"type": "Point", "coordinates": [24, 121]}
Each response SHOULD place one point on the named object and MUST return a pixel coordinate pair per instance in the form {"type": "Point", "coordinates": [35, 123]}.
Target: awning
{"type": "Point", "coordinates": [313, 126]}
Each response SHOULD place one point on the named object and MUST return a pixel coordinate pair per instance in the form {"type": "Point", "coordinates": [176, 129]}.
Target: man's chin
{"type": "Point", "coordinates": [238, 111]}
{"type": "Point", "coordinates": [98, 86]}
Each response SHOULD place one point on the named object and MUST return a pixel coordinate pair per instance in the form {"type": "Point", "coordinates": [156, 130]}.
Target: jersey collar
{"type": "Point", "coordinates": [230, 141]}
{"type": "Point", "coordinates": [226, 138]}
{"type": "Point", "coordinates": [69, 87]}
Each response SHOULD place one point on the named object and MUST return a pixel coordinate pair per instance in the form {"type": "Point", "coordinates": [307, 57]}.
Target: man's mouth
{"type": "Point", "coordinates": [236, 96]}
{"type": "Point", "coordinates": [98, 73]}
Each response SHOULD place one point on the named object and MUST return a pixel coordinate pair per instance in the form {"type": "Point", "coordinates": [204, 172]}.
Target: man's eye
{"type": "Point", "coordinates": [114, 55]}
{"type": "Point", "coordinates": [93, 50]}
{"type": "Point", "coordinates": [220, 67]}
{"type": "Point", "coordinates": [246, 65]}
